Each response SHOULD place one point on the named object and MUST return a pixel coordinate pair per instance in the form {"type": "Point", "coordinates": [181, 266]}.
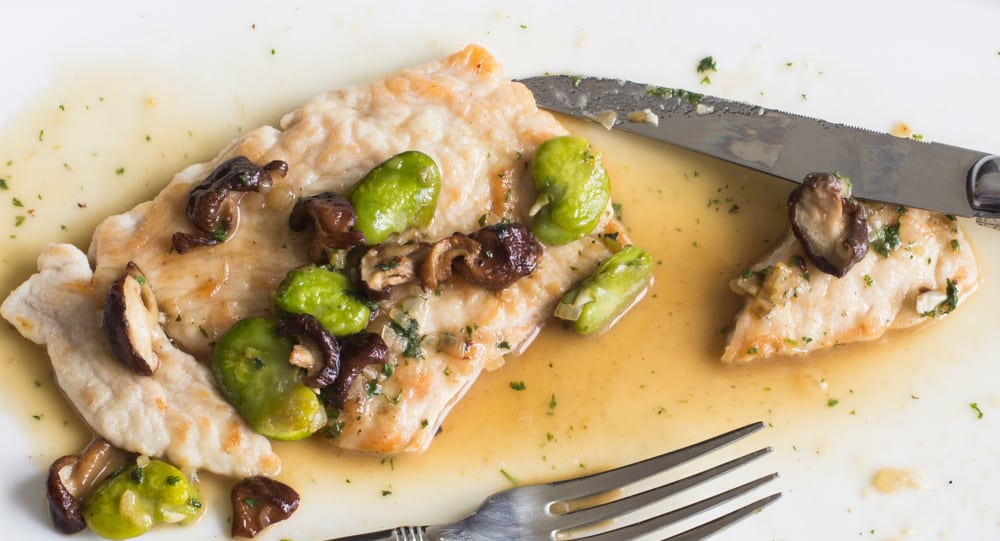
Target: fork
{"type": "Point", "coordinates": [546, 511]}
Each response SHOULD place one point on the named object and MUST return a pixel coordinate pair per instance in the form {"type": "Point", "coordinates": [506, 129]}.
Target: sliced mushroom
{"type": "Point", "coordinates": [492, 258]}
{"type": "Point", "coordinates": [210, 209]}
{"type": "Point", "coordinates": [509, 252]}
{"type": "Point", "coordinates": [130, 315]}
{"type": "Point", "coordinates": [259, 502]}
{"type": "Point", "coordinates": [70, 480]}
{"type": "Point", "coordinates": [831, 225]}
{"type": "Point", "coordinates": [356, 352]}
{"type": "Point", "coordinates": [307, 326]}
{"type": "Point", "coordinates": [437, 267]}
{"type": "Point", "coordinates": [388, 265]}
{"type": "Point", "coordinates": [333, 218]}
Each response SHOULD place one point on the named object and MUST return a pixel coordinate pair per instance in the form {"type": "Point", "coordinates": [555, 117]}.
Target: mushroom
{"type": "Point", "coordinates": [209, 207]}
{"type": "Point", "coordinates": [388, 265]}
{"type": "Point", "coordinates": [508, 252]}
{"type": "Point", "coordinates": [259, 502]}
{"type": "Point", "coordinates": [333, 218]}
{"type": "Point", "coordinates": [130, 315]}
{"type": "Point", "coordinates": [445, 253]}
{"type": "Point", "coordinates": [306, 325]}
{"type": "Point", "coordinates": [831, 225]}
{"type": "Point", "coordinates": [71, 478]}
{"type": "Point", "coordinates": [356, 352]}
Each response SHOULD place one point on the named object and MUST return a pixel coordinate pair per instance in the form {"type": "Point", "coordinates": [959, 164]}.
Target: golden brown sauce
{"type": "Point", "coordinates": [650, 384]}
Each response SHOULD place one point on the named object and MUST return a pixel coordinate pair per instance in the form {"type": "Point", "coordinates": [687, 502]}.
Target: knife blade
{"type": "Point", "coordinates": [882, 167]}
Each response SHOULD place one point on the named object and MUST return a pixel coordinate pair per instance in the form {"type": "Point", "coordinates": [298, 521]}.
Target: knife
{"type": "Point", "coordinates": [882, 167]}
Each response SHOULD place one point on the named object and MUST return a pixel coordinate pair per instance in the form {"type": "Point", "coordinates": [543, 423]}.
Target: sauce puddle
{"type": "Point", "coordinates": [652, 383]}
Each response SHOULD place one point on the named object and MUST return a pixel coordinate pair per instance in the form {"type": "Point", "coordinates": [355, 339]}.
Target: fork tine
{"type": "Point", "coordinates": [708, 528]}
{"type": "Point", "coordinates": [589, 485]}
{"type": "Point", "coordinates": [653, 524]}
{"type": "Point", "coordinates": [604, 511]}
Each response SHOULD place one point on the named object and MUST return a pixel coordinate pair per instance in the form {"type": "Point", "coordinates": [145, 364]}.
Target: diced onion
{"type": "Point", "coordinates": [568, 312]}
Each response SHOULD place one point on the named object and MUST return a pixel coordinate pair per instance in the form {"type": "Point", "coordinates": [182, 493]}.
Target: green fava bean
{"type": "Point", "coordinates": [396, 195]}
{"type": "Point", "coordinates": [573, 189]}
{"type": "Point", "coordinates": [250, 364]}
{"type": "Point", "coordinates": [325, 294]}
{"type": "Point", "coordinates": [135, 498]}
{"type": "Point", "coordinates": [602, 297]}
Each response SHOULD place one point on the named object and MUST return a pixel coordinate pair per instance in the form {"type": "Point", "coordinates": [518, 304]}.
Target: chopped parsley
{"type": "Point", "coordinates": [508, 476]}
{"type": "Point", "coordinates": [3, 184]}
{"type": "Point", "coordinates": [388, 265]}
{"type": "Point", "coordinates": [887, 240]}
{"type": "Point", "coordinates": [975, 407]}
{"type": "Point", "coordinates": [832, 402]}
{"type": "Point", "coordinates": [948, 304]}
{"type": "Point", "coordinates": [372, 388]}
{"type": "Point", "coordinates": [666, 93]}
{"type": "Point", "coordinates": [137, 475]}
{"type": "Point", "coordinates": [411, 332]}
{"type": "Point", "coordinates": [334, 430]}
{"type": "Point", "coordinates": [617, 207]}
{"type": "Point", "coordinates": [518, 385]}
{"type": "Point", "coordinates": [707, 64]}
{"type": "Point", "coordinates": [16, 202]}
{"type": "Point", "coordinates": [220, 233]}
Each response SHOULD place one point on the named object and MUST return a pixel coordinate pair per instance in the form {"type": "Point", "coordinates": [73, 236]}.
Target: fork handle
{"type": "Point", "coordinates": [400, 533]}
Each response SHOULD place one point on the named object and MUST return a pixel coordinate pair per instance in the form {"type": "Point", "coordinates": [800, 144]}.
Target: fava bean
{"type": "Point", "coordinates": [325, 294]}
{"type": "Point", "coordinates": [603, 296]}
{"type": "Point", "coordinates": [396, 195]}
{"type": "Point", "coordinates": [573, 189]}
{"type": "Point", "coordinates": [135, 498]}
{"type": "Point", "coordinates": [250, 364]}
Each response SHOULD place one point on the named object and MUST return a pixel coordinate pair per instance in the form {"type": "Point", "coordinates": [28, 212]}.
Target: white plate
{"type": "Point", "coordinates": [93, 87]}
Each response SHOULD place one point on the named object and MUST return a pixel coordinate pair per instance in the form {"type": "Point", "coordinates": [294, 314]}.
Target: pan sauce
{"type": "Point", "coordinates": [652, 383]}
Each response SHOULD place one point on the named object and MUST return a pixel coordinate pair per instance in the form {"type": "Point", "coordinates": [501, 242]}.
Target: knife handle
{"type": "Point", "coordinates": [984, 190]}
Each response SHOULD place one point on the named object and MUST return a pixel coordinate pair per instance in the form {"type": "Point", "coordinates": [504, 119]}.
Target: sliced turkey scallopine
{"type": "Point", "coordinates": [793, 308]}
{"type": "Point", "coordinates": [177, 413]}
{"type": "Point", "coordinates": [480, 128]}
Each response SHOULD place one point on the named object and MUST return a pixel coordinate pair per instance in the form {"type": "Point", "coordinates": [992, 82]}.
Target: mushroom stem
{"type": "Point", "coordinates": [72, 477]}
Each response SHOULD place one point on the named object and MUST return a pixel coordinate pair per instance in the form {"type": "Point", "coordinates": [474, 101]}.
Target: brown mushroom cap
{"type": "Point", "coordinates": [356, 352]}
{"type": "Point", "coordinates": [259, 502]}
{"type": "Point", "coordinates": [333, 218]}
{"type": "Point", "coordinates": [209, 208]}
{"type": "Point", "coordinates": [70, 480]}
{"type": "Point", "coordinates": [130, 315]}
{"type": "Point", "coordinates": [307, 326]}
{"type": "Point", "coordinates": [831, 225]}
{"type": "Point", "coordinates": [508, 252]}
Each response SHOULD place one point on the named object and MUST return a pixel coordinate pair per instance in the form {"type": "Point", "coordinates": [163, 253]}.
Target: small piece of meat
{"type": "Point", "coordinates": [175, 413]}
{"type": "Point", "coordinates": [920, 270]}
